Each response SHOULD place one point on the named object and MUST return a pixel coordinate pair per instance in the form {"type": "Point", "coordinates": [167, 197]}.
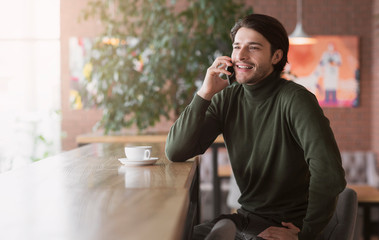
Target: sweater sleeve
{"type": "Point", "coordinates": [312, 131]}
{"type": "Point", "coordinates": [193, 132]}
{"type": "Point", "coordinates": [327, 178]}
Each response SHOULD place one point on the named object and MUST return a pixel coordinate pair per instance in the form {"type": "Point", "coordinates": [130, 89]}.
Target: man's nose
{"type": "Point", "coordinates": [242, 54]}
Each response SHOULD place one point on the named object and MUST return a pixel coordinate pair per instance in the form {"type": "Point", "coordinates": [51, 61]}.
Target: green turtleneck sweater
{"type": "Point", "coordinates": [282, 150]}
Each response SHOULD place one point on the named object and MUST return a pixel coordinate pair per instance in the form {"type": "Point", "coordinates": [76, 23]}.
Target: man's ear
{"type": "Point", "coordinates": [277, 56]}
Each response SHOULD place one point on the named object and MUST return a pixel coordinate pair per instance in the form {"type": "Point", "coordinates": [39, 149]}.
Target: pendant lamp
{"type": "Point", "coordinates": [298, 36]}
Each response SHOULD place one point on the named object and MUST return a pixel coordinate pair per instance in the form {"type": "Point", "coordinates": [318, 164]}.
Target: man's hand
{"type": "Point", "coordinates": [288, 232]}
{"type": "Point", "coordinates": [213, 83]}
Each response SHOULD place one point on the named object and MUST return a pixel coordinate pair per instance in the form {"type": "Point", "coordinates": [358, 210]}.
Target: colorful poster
{"type": "Point", "coordinates": [84, 80]}
{"type": "Point", "coordinates": [329, 69]}
{"type": "Point", "coordinates": [79, 55]}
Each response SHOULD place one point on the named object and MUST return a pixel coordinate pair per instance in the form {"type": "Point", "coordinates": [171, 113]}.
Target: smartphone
{"type": "Point", "coordinates": [231, 78]}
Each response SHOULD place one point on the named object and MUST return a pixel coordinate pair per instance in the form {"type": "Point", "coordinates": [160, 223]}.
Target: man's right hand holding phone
{"type": "Point", "coordinates": [213, 83]}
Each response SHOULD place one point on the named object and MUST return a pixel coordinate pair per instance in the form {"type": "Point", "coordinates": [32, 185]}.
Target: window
{"type": "Point", "coordinates": [29, 81]}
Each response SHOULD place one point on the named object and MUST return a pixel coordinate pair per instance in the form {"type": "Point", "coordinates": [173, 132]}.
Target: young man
{"type": "Point", "coordinates": [282, 150]}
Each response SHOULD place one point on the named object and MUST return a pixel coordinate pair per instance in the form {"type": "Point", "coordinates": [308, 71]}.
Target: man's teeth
{"type": "Point", "coordinates": [245, 67]}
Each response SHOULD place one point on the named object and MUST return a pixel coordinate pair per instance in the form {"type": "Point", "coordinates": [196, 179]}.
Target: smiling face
{"type": "Point", "coordinates": [252, 57]}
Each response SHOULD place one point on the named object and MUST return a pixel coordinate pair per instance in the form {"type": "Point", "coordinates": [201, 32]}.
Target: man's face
{"type": "Point", "coordinates": [252, 57]}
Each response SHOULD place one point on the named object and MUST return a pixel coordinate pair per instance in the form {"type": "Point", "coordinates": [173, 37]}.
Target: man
{"type": "Point", "coordinates": [282, 150]}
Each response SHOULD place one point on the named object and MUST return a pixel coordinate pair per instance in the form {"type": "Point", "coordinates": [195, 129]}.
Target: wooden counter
{"type": "Point", "coordinates": [87, 194]}
{"type": "Point", "coordinates": [130, 137]}
{"type": "Point", "coordinates": [366, 193]}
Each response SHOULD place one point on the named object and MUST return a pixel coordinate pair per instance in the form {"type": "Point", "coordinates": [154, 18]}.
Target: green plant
{"type": "Point", "coordinates": [41, 140]}
{"type": "Point", "coordinates": [146, 63]}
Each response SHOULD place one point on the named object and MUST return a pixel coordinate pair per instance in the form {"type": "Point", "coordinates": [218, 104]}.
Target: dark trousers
{"type": "Point", "coordinates": [248, 225]}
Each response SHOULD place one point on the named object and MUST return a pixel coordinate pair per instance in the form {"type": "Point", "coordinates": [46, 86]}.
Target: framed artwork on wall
{"type": "Point", "coordinates": [79, 55]}
{"type": "Point", "coordinates": [329, 69]}
{"type": "Point", "coordinates": [84, 83]}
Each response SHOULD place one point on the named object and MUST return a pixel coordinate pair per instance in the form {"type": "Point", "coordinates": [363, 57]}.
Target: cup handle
{"type": "Point", "coordinates": [147, 154]}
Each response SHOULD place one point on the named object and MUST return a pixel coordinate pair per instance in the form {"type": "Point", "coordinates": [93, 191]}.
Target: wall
{"type": "Point", "coordinates": [375, 76]}
{"type": "Point", "coordinates": [74, 122]}
{"type": "Point", "coordinates": [354, 128]}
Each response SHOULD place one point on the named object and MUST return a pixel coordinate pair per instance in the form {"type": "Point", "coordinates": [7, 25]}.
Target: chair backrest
{"type": "Point", "coordinates": [360, 167]}
{"type": "Point", "coordinates": [234, 194]}
{"type": "Point", "coordinates": [342, 224]}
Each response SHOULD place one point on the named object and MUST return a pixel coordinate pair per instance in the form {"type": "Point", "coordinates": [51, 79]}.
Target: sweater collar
{"type": "Point", "coordinates": [264, 89]}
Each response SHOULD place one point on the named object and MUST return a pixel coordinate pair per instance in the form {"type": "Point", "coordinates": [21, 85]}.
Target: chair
{"type": "Point", "coordinates": [341, 226]}
{"type": "Point", "coordinates": [234, 194]}
{"type": "Point", "coordinates": [360, 167]}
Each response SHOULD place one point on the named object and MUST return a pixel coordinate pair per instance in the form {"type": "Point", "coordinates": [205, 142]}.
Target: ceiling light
{"type": "Point", "coordinates": [298, 36]}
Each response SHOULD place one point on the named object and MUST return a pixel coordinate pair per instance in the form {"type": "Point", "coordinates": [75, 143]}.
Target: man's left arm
{"type": "Point", "coordinates": [327, 178]}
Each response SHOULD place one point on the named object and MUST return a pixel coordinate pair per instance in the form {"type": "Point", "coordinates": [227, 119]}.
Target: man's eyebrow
{"type": "Point", "coordinates": [249, 43]}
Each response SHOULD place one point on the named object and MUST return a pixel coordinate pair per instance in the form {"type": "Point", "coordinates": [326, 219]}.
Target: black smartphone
{"type": "Point", "coordinates": [231, 78]}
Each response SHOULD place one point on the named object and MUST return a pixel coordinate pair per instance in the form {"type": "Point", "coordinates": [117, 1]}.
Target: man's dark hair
{"type": "Point", "coordinates": [271, 29]}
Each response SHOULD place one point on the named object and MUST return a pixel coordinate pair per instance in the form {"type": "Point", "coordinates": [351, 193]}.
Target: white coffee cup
{"type": "Point", "coordinates": [137, 153]}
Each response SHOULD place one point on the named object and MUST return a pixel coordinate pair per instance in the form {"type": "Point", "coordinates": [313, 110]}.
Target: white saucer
{"type": "Point", "coordinates": [127, 162]}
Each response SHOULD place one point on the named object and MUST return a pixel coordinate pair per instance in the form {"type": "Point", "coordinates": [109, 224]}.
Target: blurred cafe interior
{"type": "Point", "coordinates": [82, 79]}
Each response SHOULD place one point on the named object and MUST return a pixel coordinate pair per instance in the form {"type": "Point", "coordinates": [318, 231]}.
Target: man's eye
{"type": "Point", "coordinates": [236, 47]}
{"type": "Point", "coordinates": [254, 48]}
